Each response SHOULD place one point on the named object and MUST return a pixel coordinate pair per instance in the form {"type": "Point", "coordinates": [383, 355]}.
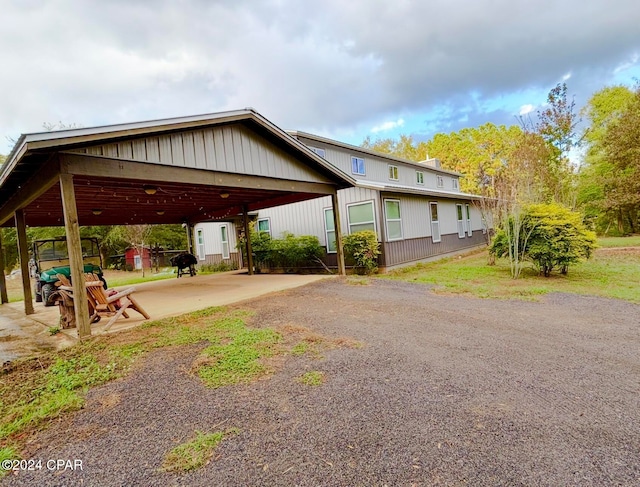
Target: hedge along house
{"type": "Point", "coordinates": [416, 209]}
{"type": "Point", "coordinates": [182, 170]}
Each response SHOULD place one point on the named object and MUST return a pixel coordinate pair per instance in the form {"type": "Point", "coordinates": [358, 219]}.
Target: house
{"type": "Point", "coordinates": [416, 209]}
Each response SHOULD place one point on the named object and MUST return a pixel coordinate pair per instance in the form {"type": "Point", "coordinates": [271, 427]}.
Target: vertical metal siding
{"type": "Point", "coordinates": [409, 250]}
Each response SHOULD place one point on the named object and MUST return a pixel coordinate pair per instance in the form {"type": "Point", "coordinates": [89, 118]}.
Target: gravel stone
{"type": "Point", "coordinates": [445, 391]}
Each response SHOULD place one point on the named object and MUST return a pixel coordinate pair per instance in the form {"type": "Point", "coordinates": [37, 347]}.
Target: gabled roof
{"type": "Point", "coordinates": [421, 165]}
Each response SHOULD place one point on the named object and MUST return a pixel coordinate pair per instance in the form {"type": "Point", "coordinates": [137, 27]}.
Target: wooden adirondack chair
{"type": "Point", "coordinates": [102, 303]}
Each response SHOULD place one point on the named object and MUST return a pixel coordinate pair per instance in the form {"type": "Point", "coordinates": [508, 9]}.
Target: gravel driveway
{"type": "Point", "coordinates": [446, 390]}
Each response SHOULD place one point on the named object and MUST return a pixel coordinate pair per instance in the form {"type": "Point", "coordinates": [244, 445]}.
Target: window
{"type": "Point", "coordinates": [264, 226]}
{"type": "Point", "coordinates": [394, 223]}
{"type": "Point", "coordinates": [224, 238]}
{"type": "Point", "coordinates": [320, 152]}
{"type": "Point", "coordinates": [393, 172]}
{"type": "Point", "coordinates": [469, 229]}
{"type": "Point", "coordinates": [435, 224]}
{"type": "Point", "coordinates": [357, 165]}
{"type": "Point", "coordinates": [330, 231]}
{"type": "Point", "coordinates": [419, 177]}
{"type": "Point", "coordinates": [440, 181]}
{"type": "Point", "coordinates": [461, 223]}
{"type": "Point", "coordinates": [454, 183]}
{"type": "Point", "coordinates": [361, 217]}
{"type": "Point", "coordinates": [200, 244]}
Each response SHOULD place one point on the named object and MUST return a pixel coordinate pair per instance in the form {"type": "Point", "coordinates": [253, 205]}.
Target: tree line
{"type": "Point", "coordinates": [533, 163]}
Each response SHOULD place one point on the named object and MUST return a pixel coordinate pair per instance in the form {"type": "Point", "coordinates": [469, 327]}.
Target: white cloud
{"type": "Point", "coordinates": [386, 126]}
{"type": "Point", "coordinates": [525, 109]}
{"type": "Point", "coordinates": [627, 64]}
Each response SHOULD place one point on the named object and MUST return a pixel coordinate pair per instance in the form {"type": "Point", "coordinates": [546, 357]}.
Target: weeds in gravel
{"type": "Point", "coordinates": [312, 378]}
{"type": "Point", "coordinates": [34, 391]}
{"type": "Point", "coordinates": [610, 273]}
{"type": "Point", "coordinates": [195, 453]}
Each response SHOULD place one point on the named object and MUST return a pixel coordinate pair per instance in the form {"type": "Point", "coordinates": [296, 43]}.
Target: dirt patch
{"type": "Point", "coordinates": [443, 390]}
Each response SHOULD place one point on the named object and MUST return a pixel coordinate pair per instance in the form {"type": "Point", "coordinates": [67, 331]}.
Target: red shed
{"type": "Point", "coordinates": [134, 259]}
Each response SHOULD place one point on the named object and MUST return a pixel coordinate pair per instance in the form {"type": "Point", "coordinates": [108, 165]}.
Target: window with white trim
{"type": "Point", "coordinates": [440, 181]}
{"type": "Point", "coordinates": [224, 239]}
{"type": "Point", "coordinates": [330, 231]}
{"type": "Point", "coordinates": [357, 165]}
{"type": "Point", "coordinates": [419, 177]}
{"type": "Point", "coordinates": [393, 220]}
{"type": "Point", "coordinates": [393, 172]}
{"type": "Point", "coordinates": [469, 229]}
{"type": "Point", "coordinates": [320, 152]}
{"type": "Point", "coordinates": [454, 183]}
{"type": "Point", "coordinates": [264, 225]}
{"type": "Point", "coordinates": [200, 244]}
{"type": "Point", "coordinates": [461, 224]}
{"type": "Point", "coordinates": [435, 223]}
{"type": "Point", "coordinates": [361, 217]}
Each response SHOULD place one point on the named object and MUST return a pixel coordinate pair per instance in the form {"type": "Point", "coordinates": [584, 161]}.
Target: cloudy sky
{"type": "Point", "coordinates": [342, 69]}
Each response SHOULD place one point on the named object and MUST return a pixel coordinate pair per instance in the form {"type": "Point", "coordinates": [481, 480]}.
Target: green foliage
{"type": "Point", "coordinates": [551, 236]}
{"type": "Point", "coordinates": [364, 249]}
{"type": "Point", "coordinates": [288, 252]}
{"type": "Point", "coordinates": [312, 378]}
{"type": "Point", "coordinates": [195, 453]}
{"type": "Point", "coordinates": [219, 267]}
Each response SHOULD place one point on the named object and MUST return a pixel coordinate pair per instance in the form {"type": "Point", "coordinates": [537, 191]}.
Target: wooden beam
{"type": "Point", "coordinates": [247, 235]}
{"type": "Point", "coordinates": [74, 246]}
{"type": "Point", "coordinates": [23, 252]}
{"type": "Point", "coordinates": [45, 177]}
{"type": "Point", "coordinates": [98, 166]}
{"type": "Point", "coordinates": [3, 282]}
{"type": "Point", "coordinates": [336, 223]}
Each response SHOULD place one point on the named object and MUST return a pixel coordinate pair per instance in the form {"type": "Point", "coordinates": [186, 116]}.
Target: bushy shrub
{"type": "Point", "coordinates": [288, 252]}
{"type": "Point", "coordinates": [219, 267]}
{"type": "Point", "coordinates": [363, 248]}
{"type": "Point", "coordinates": [549, 235]}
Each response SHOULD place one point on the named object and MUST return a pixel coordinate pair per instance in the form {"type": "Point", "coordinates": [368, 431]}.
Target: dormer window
{"type": "Point", "coordinates": [393, 172]}
{"type": "Point", "coordinates": [454, 183]}
{"type": "Point", "coordinates": [320, 152]}
{"type": "Point", "coordinates": [440, 181]}
{"type": "Point", "coordinates": [419, 177]}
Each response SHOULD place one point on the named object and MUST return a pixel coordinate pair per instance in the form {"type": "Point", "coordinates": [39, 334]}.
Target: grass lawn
{"type": "Point", "coordinates": [612, 272]}
{"type": "Point", "coordinates": [608, 242]}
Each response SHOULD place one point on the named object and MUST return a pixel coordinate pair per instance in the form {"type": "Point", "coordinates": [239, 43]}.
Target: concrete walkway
{"type": "Point", "coordinates": [24, 336]}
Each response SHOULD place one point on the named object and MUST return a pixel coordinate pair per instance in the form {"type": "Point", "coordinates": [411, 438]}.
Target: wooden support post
{"type": "Point", "coordinates": [23, 252]}
{"type": "Point", "coordinates": [3, 283]}
{"type": "Point", "coordinates": [247, 235]}
{"type": "Point", "coordinates": [189, 230]}
{"type": "Point", "coordinates": [336, 223]}
{"type": "Point", "coordinates": [74, 246]}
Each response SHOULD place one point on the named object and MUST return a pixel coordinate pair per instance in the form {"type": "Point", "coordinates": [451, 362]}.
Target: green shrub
{"type": "Point", "coordinates": [363, 248]}
{"type": "Point", "coordinates": [288, 252]}
{"type": "Point", "coordinates": [219, 267]}
{"type": "Point", "coordinates": [550, 235]}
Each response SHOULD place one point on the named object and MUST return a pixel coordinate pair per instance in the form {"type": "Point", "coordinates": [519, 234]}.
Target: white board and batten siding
{"type": "Point", "coordinates": [231, 148]}
{"type": "Point", "coordinates": [307, 217]}
{"type": "Point", "coordinates": [377, 167]}
{"type": "Point", "coordinates": [212, 239]}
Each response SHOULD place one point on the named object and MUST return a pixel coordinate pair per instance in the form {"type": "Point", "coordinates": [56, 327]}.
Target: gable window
{"type": "Point", "coordinates": [393, 172]}
{"type": "Point", "coordinates": [461, 222]}
{"type": "Point", "coordinates": [419, 177]}
{"type": "Point", "coordinates": [200, 244]}
{"type": "Point", "coordinates": [469, 229]}
{"type": "Point", "coordinates": [361, 217]}
{"type": "Point", "coordinates": [330, 231]}
{"type": "Point", "coordinates": [454, 183]}
{"type": "Point", "coordinates": [435, 223]}
{"type": "Point", "coordinates": [357, 166]}
{"type": "Point", "coordinates": [320, 152]}
{"type": "Point", "coordinates": [393, 220]}
{"type": "Point", "coordinates": [440, 181]}
{"type": "Point", "coordinates": [264, 226]}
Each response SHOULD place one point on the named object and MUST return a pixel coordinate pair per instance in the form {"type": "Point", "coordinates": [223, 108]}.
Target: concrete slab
{"type": "Point", "coordinates": [23, 336]}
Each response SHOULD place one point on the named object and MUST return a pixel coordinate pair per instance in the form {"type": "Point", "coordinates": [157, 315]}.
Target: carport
{"type": "Point", "coordinates": [182, 170]}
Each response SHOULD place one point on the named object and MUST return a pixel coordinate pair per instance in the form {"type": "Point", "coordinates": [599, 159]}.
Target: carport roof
{"type": "Point", "coordinates": [111, 189]}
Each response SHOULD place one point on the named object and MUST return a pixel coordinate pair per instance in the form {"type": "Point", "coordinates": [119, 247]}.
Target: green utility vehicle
{"type": "Point", "coordinates": [50, 257]}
